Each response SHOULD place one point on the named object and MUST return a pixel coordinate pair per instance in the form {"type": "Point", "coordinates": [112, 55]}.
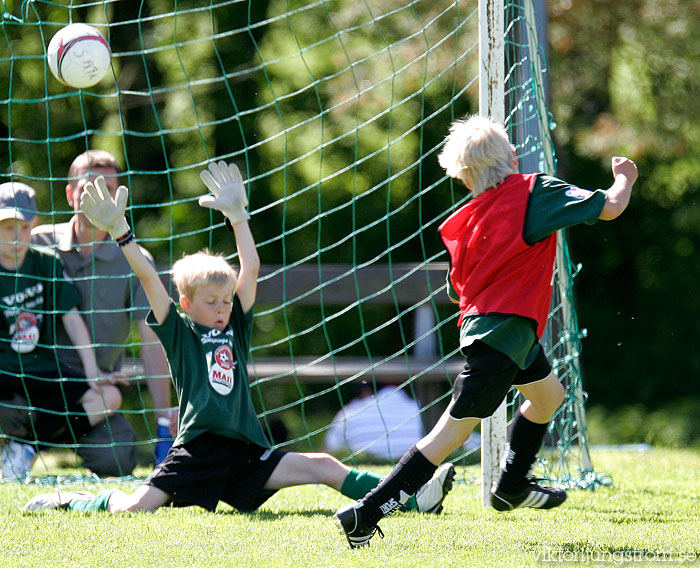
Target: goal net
{"type": "Point", "coordinates": [335, 112]}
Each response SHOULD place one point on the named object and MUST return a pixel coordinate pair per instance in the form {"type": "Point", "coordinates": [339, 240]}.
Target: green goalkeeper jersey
{"type": "Point", "coordinates": [209, 371]}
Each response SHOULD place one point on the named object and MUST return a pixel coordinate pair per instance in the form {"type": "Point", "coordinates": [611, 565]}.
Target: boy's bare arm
{"type": "Point", "coordinates": [156, 293]}
{"type": "Point", "coordinates": [108, 215]}
{"type": "Point", "coordinates": [247, 284]}
{"type": "Point", "coordinates": [228, 196]}
{"type": "Point", "coordinates": [625, 174]}
{"type": "Point", "coordinates": [76, 329]}
{"type": "Point", "coordinates": [157, 374]}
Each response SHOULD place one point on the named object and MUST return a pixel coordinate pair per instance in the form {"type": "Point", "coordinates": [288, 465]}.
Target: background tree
{"type": "Point", "coordinates": [625, 80]}
{"type": "Point", "coordinates": [322, 105]}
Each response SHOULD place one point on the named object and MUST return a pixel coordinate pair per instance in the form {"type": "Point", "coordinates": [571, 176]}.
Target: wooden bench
{"type": "Point", "coordinates": [403, 285]}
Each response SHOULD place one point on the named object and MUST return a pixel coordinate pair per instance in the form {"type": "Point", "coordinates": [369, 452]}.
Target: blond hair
{"type": "Point", "coordinates": [193, 271]}
{"type": "Point", "coordinates": [478, 152]}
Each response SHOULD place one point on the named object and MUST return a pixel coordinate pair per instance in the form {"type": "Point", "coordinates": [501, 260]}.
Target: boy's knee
{"type": "Point", "coordinates": [329, 470]}
{"type": "Point", "coordinates": [112, 397]}
{"type": "Point", "coordinates": [335, 468]}
{"type": "Point", "coordinates": [327, 461]}
{"type": "Point", "coordinates": [559, 395]}
{"type": "Point", "coordinates": [555, 399]}
{"type": "Point", "coordinates": [107, 398]}
{"type": "Point", "coordinates": [324, 466]}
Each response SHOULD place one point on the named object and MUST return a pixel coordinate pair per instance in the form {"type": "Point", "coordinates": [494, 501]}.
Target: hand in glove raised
{"type": "Point", "coordinates": [229, 196]}
{"type": "Point", "coordinates": [105, 213]}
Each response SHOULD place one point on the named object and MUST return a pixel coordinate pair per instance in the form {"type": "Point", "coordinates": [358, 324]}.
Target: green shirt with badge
{"type": "Point", "coordinates": [209, 371]}
{"type": "Point", "coordinates": [32, 298]}
{"type": "Point", "coordinates": [553, 205]}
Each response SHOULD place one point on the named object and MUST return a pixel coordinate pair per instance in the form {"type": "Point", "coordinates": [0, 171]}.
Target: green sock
{"type": "Point", "coordinates": [358, 483]}
{"type": "Point", "coordinates": [98, 503]}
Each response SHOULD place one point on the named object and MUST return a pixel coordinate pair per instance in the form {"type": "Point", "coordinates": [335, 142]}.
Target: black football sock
{"type": "Point", "coordinates": [525, 441]}
{"type": "Point", "coordinates": [412, 472]}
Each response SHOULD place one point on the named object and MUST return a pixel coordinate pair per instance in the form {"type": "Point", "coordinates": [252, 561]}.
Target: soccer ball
{"type": "Point", "coordinates": [78, 56]}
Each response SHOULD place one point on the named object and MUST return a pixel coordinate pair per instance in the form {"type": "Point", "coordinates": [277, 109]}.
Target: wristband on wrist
{"type": "Point", "coordinates": [126, 238]}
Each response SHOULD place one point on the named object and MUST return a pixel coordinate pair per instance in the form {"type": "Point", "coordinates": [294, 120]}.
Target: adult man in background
{"type": "Point", "coordinates": [40, 401]}
{"type": "Point", "coordinates": [112, 299]}
{"type": "Point", "coordinates": [385, 424]}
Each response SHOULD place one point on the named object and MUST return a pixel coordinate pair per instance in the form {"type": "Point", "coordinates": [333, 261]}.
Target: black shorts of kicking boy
{"type": "Point", "coordinates": [213, 468]}
{"type": "Point", "coordinates": [487, 377]}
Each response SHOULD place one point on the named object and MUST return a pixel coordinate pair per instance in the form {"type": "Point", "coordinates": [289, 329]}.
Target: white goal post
{"type": "Point", "coordinates": [492, 103]}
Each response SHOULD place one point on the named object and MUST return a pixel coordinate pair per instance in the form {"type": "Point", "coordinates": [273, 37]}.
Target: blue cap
{"type": "Point", "coordinates": [17, 201]}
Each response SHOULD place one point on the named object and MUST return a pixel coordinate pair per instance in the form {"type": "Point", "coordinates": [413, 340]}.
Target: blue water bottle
{"type": "Point", "coordinates": [164, 440]}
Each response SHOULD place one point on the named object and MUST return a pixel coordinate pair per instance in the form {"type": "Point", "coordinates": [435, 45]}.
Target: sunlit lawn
{"type": "Point", "coordinates": [652, 512]}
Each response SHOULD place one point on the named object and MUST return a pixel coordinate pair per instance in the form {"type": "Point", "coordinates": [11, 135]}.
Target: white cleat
{"type": "Point", "coordinates": [56, 500]}
{"type": "Point", "coordinates": [429, 498]}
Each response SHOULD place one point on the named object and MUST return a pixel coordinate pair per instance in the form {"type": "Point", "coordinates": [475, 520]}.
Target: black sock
{"type": "Point", "coordinates": [412, 472]}
{"type": "Point", "coordinates": [525, 441]}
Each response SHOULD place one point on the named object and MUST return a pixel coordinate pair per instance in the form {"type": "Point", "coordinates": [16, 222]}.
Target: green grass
{"type": "Point", "coordinates": [652, 509]}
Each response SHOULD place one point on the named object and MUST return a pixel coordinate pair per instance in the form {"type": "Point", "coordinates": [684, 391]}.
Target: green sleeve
{"type": "Point", "coordinates": [555, 204]}
{"type": "Point", "coordinates": [242, 324]}
{"type": "Point", "coordinates": [139, 301]}
{"type": "Point", "coordinates": [169, 331]}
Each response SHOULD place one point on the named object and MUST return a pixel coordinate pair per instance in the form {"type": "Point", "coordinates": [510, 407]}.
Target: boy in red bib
{"type": "Point", "coordinates": [502, 247]}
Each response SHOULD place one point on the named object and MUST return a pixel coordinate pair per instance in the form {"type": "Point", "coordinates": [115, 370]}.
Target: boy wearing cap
{"type": "Point", "coordinates": [33, 290]}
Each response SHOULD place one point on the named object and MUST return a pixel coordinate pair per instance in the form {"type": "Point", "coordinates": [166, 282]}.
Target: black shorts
{"type": "Point", "coordinates": [488, 375]}
{"type": "Point", "coordinates": [54, 411]}
{"type": "Point", "coordinates": [61, 420]}
{"type": "Point", "coordinates": [213, 468]}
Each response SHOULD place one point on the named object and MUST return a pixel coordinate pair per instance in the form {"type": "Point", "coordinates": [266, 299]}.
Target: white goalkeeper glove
{"type": "Point", "coordinates": [105, 213]}
{"type": "Point", "coordinates": [229, 196]}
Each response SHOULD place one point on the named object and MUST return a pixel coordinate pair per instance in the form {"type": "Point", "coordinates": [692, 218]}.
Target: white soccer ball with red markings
{"type": "Point", "coordinates": [78, 56]}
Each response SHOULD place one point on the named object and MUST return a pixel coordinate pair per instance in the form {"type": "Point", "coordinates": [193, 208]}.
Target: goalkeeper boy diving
{"type": "Point", "coordinates": [221, 452]}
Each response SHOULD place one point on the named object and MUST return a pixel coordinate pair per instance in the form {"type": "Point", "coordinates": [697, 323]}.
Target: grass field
{"type": "Point", "coordinates": [650, 516]}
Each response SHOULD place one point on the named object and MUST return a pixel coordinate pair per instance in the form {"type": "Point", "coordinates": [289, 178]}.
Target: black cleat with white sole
{"type": "Point", "coordinates": [533, 496]}
{"type": "Point", "coordinates": [349, 521]}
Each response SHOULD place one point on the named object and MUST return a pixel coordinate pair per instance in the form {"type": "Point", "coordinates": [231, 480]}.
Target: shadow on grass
{"type": "Point", "coordinates": [270, 516]}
